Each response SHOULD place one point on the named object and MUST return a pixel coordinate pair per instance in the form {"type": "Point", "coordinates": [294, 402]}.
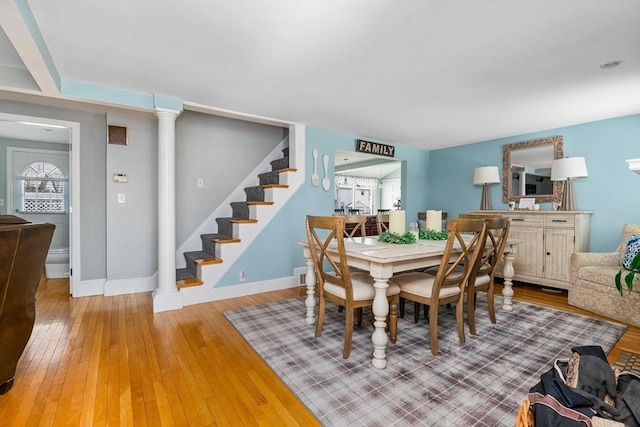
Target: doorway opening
{"type": "Point", "coordinates": [42, 183]}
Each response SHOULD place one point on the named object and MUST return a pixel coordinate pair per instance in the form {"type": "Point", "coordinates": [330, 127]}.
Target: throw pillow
{"type": "Point", "coordinates": [633, 248]}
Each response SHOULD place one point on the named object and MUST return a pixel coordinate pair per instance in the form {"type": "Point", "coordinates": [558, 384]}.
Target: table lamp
{"type": "Point", "coordinates": [564, 170]}
{"type": "Point", "coordinates": [484, 176]}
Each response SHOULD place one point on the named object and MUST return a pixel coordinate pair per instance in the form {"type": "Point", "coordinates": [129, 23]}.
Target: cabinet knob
{"type": "Point", "coordinates": [548, 253]}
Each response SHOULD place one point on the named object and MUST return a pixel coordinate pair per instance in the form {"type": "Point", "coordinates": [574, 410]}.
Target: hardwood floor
{"type": "Point", "coordinates": [98, 361]}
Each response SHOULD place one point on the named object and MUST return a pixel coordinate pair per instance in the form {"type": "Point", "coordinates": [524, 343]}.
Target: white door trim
{"type": "Point", "coordinates": [74, 196]}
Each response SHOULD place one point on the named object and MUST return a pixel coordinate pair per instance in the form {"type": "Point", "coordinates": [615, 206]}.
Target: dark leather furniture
{"type": "Point", "coordinates": [23, 251]}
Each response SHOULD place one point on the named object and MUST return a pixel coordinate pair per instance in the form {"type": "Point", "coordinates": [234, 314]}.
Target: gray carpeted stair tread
{"type": "Point", "coordinates": [194, 255]}
{"type": "Point", "coordinates": [183, 273]}
{"type": "Point", "coordinates": [285, 152]}
{"type": "Point", "coordinates": [240, 210]}
{"type": "Point", "coordinates": [254, 194]}
{"type": "Point", "coordinates": [225, 227]}
{"type": "Point", "coordinates": [207, 241]}
{"type": "Point", "coordinates": [191, 258]}
{"type": "Point", "coordinates": [268, 178]}
{"type": "Point", "coordinates": [278, 164]}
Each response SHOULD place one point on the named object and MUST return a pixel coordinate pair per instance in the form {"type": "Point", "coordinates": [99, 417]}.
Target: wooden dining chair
{"type": "Point", "coordinates": [382, 223]}
{"type": "Point", "coordinates": [355, 226]}
{"type": "Point", "coordinates": [482, 278]}
{"type": "Point", "coordinates": [336, 283]}
{"type": "Point", "coordinates": [463, 249]}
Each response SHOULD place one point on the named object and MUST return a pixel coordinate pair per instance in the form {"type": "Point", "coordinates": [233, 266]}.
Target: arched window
{"type": "Point", "coordinates": [43, 188]}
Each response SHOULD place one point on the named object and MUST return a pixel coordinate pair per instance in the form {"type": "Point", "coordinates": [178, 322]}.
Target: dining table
{"type": "Point", "coordinates": [382, 260]}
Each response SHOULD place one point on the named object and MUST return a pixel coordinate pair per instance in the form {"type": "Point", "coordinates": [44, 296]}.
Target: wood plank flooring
{"type": "Point", "coordinates": [99, 361]}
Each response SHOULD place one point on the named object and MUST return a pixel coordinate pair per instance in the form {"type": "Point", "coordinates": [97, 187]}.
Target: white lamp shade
{"type": "Point", "coordinates": [569, 167]}
{"type": "Point", "coordinates": [486, 175]}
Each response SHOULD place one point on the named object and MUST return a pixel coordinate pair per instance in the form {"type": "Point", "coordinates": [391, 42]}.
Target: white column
{"type": "Point", "coordinates": [166, 295]}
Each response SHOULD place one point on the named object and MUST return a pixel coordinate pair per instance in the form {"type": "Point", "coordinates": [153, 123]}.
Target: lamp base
{"type": "Point", "coordinates": [485, 203]}
{"type": "Point", "coordinates": [568, 199]}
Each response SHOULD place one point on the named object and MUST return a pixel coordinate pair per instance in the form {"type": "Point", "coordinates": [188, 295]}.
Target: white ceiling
{"type": "Point", "coordinates": [430, 74]}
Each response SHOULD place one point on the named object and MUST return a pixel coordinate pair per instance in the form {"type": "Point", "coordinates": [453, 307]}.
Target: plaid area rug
{"type": "Point", "coordinates": [479, 383]}
{"type": "Point", "coordinates": [628, 362]}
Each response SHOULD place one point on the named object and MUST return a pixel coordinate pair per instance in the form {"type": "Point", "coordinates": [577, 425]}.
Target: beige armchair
{"type": "Point", "coordinates": [592, 286]}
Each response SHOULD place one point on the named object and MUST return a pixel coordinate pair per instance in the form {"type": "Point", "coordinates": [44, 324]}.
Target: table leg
{"type": "Point", "coordinates": [310, 281]}
{"type": "Point", "coordinates": [508, 273]}
{"type": "Point", "coordinates": [380, 310]}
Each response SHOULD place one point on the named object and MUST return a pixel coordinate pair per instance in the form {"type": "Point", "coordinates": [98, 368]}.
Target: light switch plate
{"type": "Point", "coordinates": [121, 198]}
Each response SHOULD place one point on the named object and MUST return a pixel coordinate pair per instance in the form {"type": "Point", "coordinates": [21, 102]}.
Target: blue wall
{"type": "Point", "coordinates": [611, 191]}
{"type": "Point", "coordinates": [275, 252]}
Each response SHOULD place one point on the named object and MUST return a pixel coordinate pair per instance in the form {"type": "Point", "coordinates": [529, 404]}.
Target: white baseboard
{"type": "Point", "coordinates": [252, 288]}
{"type": "Point", "coordinates": [88, 288]}
{"type": "Point", "coordinates": [105, 287]}
{"type": "Point", "coordinates": [130, 286]}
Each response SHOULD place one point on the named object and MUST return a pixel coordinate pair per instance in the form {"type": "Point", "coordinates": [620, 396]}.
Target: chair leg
{"type": "Point", "coordinates": [359, 316]}
{"type": "Point", "coordinates": [321, 305]}
{"type": "Point", "coordinates": [426, 311]}
{"type": "Point", "coordinates": [460, 318]}
{"type": "Point", "coordinates": [492, 312]}
{"type": "Point", "coordinates": [393, 318]}
{"type": "Point", "coordinates": [433, 330]}
{"type": "Point", "coordinates": [401, 307]}
{"type": "Point", "coordinates": [471, 309]}
{"type": "Point", "coordinates": [416, 312]}
{"type": "Point", "coordinates": [348, 330]}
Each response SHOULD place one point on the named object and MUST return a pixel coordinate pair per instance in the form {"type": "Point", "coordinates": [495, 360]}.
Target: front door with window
{"type": "Point", "coordinates": [40, 189]}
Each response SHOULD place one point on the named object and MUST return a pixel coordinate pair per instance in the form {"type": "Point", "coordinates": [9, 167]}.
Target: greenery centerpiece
{"type": "Point", "coordinates": [401, 239]}
{"type": "Point", "coordinates": [633, 271]}
{"type": "Point", "coordinates": [408, 237]}
{"type": "Point", "coordinates": [434, 235]}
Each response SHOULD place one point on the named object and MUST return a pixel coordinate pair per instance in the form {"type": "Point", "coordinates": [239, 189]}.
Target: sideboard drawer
{"type": "Point", "coordinates": [526, 221]}
{"type": "Point", "coordinates": [560, 221]}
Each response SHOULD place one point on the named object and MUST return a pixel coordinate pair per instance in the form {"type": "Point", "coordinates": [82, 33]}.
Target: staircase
{"type": "Point", "coordinates": [204, 267]}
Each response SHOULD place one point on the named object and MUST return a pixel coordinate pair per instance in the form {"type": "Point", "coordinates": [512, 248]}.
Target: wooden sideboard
{"type": "Point", "coordinates": [546, 241]}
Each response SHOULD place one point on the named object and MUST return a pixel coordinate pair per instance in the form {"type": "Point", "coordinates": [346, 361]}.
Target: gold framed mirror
{"type": "Point", "coordinates": [526, 170]}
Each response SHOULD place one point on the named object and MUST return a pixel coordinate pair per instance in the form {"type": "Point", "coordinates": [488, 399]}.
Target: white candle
{"type": "Point", "coordinates": [434, 220]}
{"type": "Point", "coordinates": [397, 221]}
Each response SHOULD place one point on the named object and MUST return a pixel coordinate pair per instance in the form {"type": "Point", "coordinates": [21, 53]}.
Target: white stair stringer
{"type": "Point", "coordinates": [211, 275]}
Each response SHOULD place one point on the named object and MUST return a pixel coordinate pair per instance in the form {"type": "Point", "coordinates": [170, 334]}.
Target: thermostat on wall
{"type": "Point", "coordinates": [120, 177]}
